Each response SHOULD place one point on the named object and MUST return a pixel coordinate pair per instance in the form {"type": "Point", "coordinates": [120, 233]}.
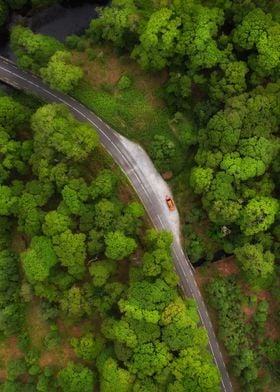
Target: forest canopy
{"type": "Point", "coordinates": [74, 256]}
{"type": "Point", "coordinates": [220, 62]}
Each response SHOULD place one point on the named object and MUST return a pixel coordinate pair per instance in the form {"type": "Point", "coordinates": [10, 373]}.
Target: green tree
{"type": "Point", "coordinates": [101, 271]}
{"type": "Point", "coordinates": [249, 31]}
{"type": "Point", "coordinates": [73, 303]}
{"type": "Point", "coordinates": [16, 367]}
{"type": "Point", "coordinates": [146, 301]}
{"type": "Point", "coordinates": [258, 215]}
{"type": "Point", "coordinates": [200, 26]}
{"type": "Point", "coordinates": [200, 179]}
{"type": "Point", "coordinates": [33, 50]}
{"type": "Point", "coordinates": [112, 375]}
{"type": "Point", "coordinates": [60, 73]}
{"type": "Point", "coordinates": [229, 80]}
{"type": "Point", "coordinates": [71, 252]}
{"type": "Point", "coordinates": [56, 128]}
{"type": "Point", "coordinates": [150, 358]}
{"type": "Point", "coordinates": [117, 24]}
{"type": "Point", "coordinates": [76, 378]}
{"type": "Point", "coordinates": [74, 194]}
{"type": "Point", "coordinates": [106, 214]}
{"type": "Point", "coordinates": [38, 259]}
{"type": "Point", "coordinates": [30, 217]}
{"type": "Point", "coordinates": [159, 263]}
{"type": "Point", "coordinates": [257, 264]}
{"type": "Point", "coordinates": [145, 332]}
{"type": "Point", "coordinates": [55, 223]}
{"type": "Point", "coordinates": [7, 201]}
{"type": "Point", "coordinates": [95, 243]}
{"type": "Point", "coordinates": [42, 191]}
{"type": "Point", "coordinates": [88, 347]}
{"type": "Point", "coordinates": [9, 277]}
{"type": "Point", "coordinates": [129, 221]}
{"type": "Point", "coordinates": [258, 31]}
{"type": "Point", "coordinates": [158, 239]}
{"type": "Point", "coordinates": [193, 373]}
{"type": "Point", "coordinates": [104, 185]}
{"type": "Point", "coordinates": [12, 114]}
{"type": "Point", "coordinates": [158, 40]}
{"type": "Point", "coordinates": [119, 246]}
{"type": "Point", "coordinates": [120, 331]}
{"type": "Point", "coordinates": [163, 152]}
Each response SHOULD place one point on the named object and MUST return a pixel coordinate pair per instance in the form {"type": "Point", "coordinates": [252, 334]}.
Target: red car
{"type": "Point", "coordinates": [170, 203]}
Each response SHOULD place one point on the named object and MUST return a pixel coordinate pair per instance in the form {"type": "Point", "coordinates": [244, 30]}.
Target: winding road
{"type": "Point", "coordinates": [154, 203]}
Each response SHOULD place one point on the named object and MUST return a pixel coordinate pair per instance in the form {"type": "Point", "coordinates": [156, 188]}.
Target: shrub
{"type": "Point", "coordinates": [124, 82]}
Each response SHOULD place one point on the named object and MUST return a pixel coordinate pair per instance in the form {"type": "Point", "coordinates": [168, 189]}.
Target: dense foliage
{"type": "Point", "coordinates": [251, 351]}
{"type": "Point", "coordinates": [222, 61]}
{"type": "Point", "coordinates": [70, 248]}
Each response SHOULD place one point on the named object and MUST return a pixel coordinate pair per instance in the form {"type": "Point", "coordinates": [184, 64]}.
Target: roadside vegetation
{"type": "Point", "coordinates": [197, 84]}
{"type": "Point", "coordinates": [88, 295]}
{"type": "Point", "coordinates": [247, 325]}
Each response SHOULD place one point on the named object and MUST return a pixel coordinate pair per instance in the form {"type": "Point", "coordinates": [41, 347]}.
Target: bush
{"type": "Point", "coordinates": [76, 378]}
{"type": "Point", "coordinates": [88, 347]}
{"type": "Point", "coordinates": [72, 41]}
{"type": "Point", "coordinates": [52, 340]}
{"type": "Point", "coordinates": [32, 356]}
{"type": "Point", "coordinates": [162, 151]}
{"type": "Point", "coordinates": [23, 342]}
{"type": "Point", "coordinates": [34, 370]}
{"type": "Point", "coordinates": [15, 368]}
{"type": "Point", "coordinates": [107, 87]}
{"type": "Point", "coordinates": [124, 82]}
{"type": "Point", "coordinates": [91, 54]}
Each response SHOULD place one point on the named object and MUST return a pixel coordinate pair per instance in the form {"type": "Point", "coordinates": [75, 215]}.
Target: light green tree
{"type": "Point", "coordinates": [71, 252]}
{"type": "Point", "coordinates": [60, 73]}
{"type": "Point", "coordinates": [257, 264]}
{"type": "Point", "coordinates": [118, 245]}
{"type": "Point", "coordinates": [88, 347]}
{"type": "Point", "coordinates": [38, 259]}
{"type": "Point", "coordinates": [76, 378]}
{"type": "Point", "coordinates": [258, 215]}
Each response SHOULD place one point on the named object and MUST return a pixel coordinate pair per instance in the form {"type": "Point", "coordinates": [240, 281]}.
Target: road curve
{"type": "Point", "coordinates": [155, 207]}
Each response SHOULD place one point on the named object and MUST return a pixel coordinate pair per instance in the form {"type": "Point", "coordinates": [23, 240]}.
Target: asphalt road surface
{"type": "Point", "coordinates": [111, 140]}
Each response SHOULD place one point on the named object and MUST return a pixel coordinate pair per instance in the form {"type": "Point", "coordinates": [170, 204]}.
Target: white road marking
{"type": "Point", "coordinates": [161, 222]}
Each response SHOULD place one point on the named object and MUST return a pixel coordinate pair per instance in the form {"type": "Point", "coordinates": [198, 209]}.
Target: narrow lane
{"type": "Point", "coordinates": [112, 141]}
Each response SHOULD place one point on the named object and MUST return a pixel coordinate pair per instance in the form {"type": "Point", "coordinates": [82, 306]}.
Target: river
{"type": "Point", "coordinates": [58, 20]}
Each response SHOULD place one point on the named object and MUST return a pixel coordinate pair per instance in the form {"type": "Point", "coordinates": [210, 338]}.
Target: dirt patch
{"type": "Point", "coordinates": [248, 311]}
{"type": "Point", "coordinates": [224, 267]}
{"type": "Point", "coordinates": [123, 271]}
{"type": "Point", "coordinates": [73, 330]}
{"type": "Point", "coordinates": [202, 278]}
{"type": "Point", "coordinates": [227, 266]}
{"type": "Point", "coordinates": [125, 194]}
{"type": "Point", "coordinates": [272, 325]}
{"type": "Point", "coordinates": [108, 68]}
{"type": "Point", "coordinates": [8, 351]}
{"type": "Point", "coordinates": [58, 357]}
{"type": "Point", "coordinates": [36, 326]}
{"type": "Point", "coordinates": [19, 242]}
{"type": "Point", "coordinates": [3, 374]}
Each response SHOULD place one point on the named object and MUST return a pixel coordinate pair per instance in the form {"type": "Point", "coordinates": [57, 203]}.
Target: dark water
{"type": "Point", "coordinates": [58, 20]}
